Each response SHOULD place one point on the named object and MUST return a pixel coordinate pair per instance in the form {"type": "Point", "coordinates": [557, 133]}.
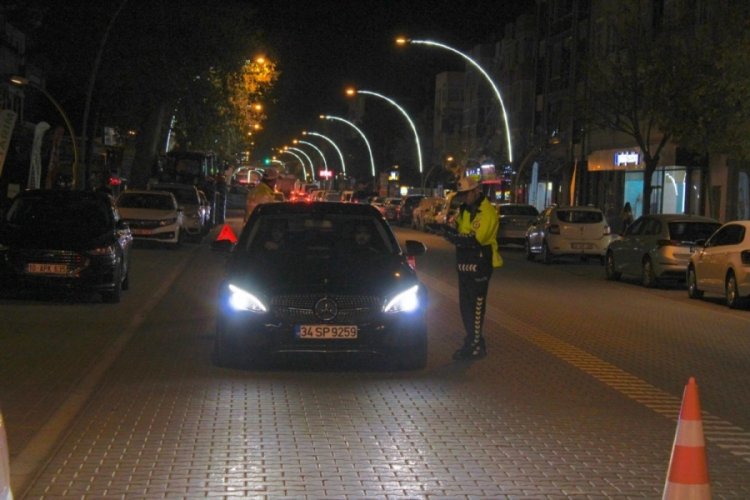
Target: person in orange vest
{"type": "Point", "coordinates": [262, 192]}
{"type": "Point", "coordinates": [475, 237]}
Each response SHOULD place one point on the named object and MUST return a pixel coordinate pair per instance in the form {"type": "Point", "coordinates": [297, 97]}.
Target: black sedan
{"type": "Point", "coordinates": [320, 277]}
{"type": "Point", "coordinates": [64, 240]}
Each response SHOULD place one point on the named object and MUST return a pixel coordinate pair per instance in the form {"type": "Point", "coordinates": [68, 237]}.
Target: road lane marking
{"type": "Point", "coordinates": [721, 433]}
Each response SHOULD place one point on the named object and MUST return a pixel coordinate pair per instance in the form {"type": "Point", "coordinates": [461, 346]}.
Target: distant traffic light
{"type": "Point", "coordinates": [267, 161]}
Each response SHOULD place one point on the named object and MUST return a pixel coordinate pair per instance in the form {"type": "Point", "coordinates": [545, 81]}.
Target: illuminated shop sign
{"type": "Point", "coordinates": [627, 158]}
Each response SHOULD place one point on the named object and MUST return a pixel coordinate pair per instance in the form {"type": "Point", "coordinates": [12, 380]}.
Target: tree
{"type": "Point", "coordinates": [685, 81]}
{"type": "Point", "coordinates": [624, 86]}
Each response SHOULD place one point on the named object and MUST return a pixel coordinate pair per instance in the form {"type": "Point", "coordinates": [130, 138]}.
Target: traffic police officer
{"type": "Point", "coordinates": [262, 192]}
{"type": "Point", "coordinates": [475, 238]}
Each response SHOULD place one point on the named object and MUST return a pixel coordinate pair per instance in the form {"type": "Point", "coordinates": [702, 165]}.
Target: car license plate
{"type": "Point", "coordinates": [38, 268]}
{"type": "Point", "coordinates": [582, 246]}
{"type": "Point", "coordinates": [326, 332]}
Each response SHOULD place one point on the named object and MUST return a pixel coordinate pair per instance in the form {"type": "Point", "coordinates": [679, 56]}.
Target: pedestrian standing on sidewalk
{"type": "Point", "coordinates": [626, 217]}
{"type": "Point", "coordinates": [475, 237]}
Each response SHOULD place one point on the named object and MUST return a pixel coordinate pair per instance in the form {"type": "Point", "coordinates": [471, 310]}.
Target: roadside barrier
{"type": "Point", "coordinates": [687, 476]}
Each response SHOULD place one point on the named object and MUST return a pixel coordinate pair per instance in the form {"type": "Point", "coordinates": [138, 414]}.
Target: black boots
{"type": "Point", "coordinates": [472, 349]}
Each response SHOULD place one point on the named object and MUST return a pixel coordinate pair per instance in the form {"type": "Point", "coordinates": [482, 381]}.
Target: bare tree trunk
{"type": "Point", "coordinates": [147, 147]}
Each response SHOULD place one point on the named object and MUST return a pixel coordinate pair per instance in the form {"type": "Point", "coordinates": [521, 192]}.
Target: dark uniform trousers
{"type": "Point", "coordinates": [472, 298]}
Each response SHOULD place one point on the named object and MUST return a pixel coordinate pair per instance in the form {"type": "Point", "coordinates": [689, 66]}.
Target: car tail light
{"type": "Point", "coordinates": [553, 229]}
{"type": "Point", "coordinates": [745, 257]}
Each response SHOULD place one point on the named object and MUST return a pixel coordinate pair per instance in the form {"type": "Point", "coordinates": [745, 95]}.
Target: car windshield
{"type": "Point", "coordinates": [518, 210]}
{"type": "Point", "coordinates": [305, 233]}
{"type": "Point", "coordinates": [148, 201]}
{"type": "Point", "coordinates": [60, 212]}
{"type": "Point", "coordinates": [580, 216]}
{"type": "Point", "coordinates": [691, 230]}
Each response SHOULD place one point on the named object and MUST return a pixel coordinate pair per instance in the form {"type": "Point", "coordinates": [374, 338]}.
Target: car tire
{"type": "Point", "coordinates": [609, 267]}
{"type": "Point", "coordinates": [527, 247]}
{"type": "Point", "coordinates": [692, 284]}
{"type": "Point", "coordinates": [731, 293]}
{"type": "Point", "coordinates": [113, 296]}
{"type": "Point", "coordinates": [126, 281]}
{"type": "Point", "coordinates": [414, 356]}
{"type": "Point", "coordinates": [648, 277]}
{"type": "Point", "coordinates": [546, 255]}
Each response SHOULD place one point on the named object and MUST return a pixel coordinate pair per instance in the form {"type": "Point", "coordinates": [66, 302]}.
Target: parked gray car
{"type": "Point", "coordinates": [657, 247]}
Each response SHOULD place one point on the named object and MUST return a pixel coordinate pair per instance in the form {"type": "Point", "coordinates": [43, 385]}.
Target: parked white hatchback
{"type": "Point", "coordinates": [721, 266]}
{"type": "Point", "coordinates": [560, 231]}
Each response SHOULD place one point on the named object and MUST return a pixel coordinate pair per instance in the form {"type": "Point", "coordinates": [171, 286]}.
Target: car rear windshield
{"type": "Point", "coordinates": [518, 210]}
{"type": "Point", "coordinates": [691, 230]}
{"type": "Point", "coordinates": [58, 212]}
{"type": "Point", "coordinates": [580, 216]}
{"type": "Point", "coordinates": [148, 201]}
{"type": "Point", "coordinates": [183, 196]}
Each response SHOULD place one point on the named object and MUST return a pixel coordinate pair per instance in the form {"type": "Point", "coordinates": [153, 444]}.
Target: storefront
{"type": "Point", "coordinates": [674, 188]}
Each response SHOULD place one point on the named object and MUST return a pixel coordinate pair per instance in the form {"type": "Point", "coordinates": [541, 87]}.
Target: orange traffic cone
{"type": "Point", "coordinates": [226, 233]}
{"type": "Point", "coordinates": [687, 477]}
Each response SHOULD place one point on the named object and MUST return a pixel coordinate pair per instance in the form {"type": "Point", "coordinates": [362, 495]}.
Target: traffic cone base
{"type": "Point", "coordinates": [226, 233]}
{"type": "Point", "coordinates": [687, 477]}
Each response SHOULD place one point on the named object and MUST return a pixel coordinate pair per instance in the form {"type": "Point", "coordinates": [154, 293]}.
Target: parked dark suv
{"type": "Point", "coordinates": [405, 209]}
{"type": "Point", "coordinates": [69, 240]}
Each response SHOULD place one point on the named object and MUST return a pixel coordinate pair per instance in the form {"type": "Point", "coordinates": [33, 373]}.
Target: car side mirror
{"type": "Point", "coordinates": [122, 226]}
{"type": "Point", "coordinates": [415, 248]}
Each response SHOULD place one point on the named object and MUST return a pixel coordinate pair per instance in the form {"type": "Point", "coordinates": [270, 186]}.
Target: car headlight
{"type": "Point", "coordinates": [167, 222]}
{"type": "Point", "coordinates": [242, 300]}
{"type": "Point", "coordinates": [406, 301]}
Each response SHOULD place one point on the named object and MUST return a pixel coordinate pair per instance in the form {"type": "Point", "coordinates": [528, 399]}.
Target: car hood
{"type": "Point", "coordinates": [147, 213]}
{"type": "Point", "coordinates": [378, 275]}
{"type": "Point", "coordinates": [58, 237]}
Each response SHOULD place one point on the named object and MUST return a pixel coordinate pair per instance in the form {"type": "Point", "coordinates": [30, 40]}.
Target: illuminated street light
{"type": "Point", "coordinates": [304, 172]}
{"type": "Point", "coordinates": [21, 82]}
{"type": "Point", "coordinates": [403, 112]}
{"type": "Point", "coordinates": [364, 137]}
{"type": "Point", "coordinates": [404, 41]}
{"type": "Point", "coordinates": [316, 148]}
{"type": "Point", "coordinates": [312, 166]}
{"type": "Point", "coordinates": [341, 156]}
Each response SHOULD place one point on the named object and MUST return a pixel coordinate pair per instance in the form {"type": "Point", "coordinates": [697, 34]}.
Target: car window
{"type": "Point", "coordinates": [148, 201]}
{"type": "Point", "coordinates": [580, 216]}
{"type": "Point", "coordinates": [727, 235]}
{"type": "Point", "coordinates": [517, 210]}
{"type": "Point", "coordinates": [651, 227]}
{"type": "Point", "coordinates": [636, 227]}
{"type": "Point", "coordinates": [691, 230]}
{"type": "Point", "coordinates": [61, 212]}
{"type": "Point", "coordinates": [183, 196]}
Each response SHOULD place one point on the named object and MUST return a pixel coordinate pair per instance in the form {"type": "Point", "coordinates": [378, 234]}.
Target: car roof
{"type": "Point", "coordinates": [316, 207]}
{"type": "Point", "coordinates": [577, 207]}
{"type": "Point", "coordinates": [64, 194]}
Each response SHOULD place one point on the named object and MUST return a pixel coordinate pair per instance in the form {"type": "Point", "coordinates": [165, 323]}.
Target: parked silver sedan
{"type": "Point", "coordinates": [657, 247]}
{"type": "Point", "coordinates": [721, 266]}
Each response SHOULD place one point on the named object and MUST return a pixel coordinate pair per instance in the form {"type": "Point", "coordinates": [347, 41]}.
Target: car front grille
{"type": "Point", "coordinates": [142, 224]}
{"type": "Point", "coordinates": [300, 309]}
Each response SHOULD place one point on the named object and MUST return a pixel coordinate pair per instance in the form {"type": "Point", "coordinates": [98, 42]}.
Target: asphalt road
{"type": "Point", "coordinates": [578, 396]}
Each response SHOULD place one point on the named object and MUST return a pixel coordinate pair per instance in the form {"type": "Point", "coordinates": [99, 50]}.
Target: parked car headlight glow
{"type": "Point", "coordinates": [406, 301]}
{"type": "Point", "coordinates": [242, 300]}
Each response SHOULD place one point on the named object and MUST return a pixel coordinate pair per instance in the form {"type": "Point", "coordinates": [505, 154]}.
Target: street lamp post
{"type": "Point", "coordinates": [335, 146]}
{"type": "Point", "coordinates": [316, 148]}
{"type": "Point", "coordinates": [404, 41]}
{"type": "Point", "coordinates": [362, 134]}
{"type": "Point", "coordinates": [21, 81]}
{"type": "Point", "coordinates": [298, 159]}
{"type": "Point", "coordinates": [307, 157]}
{"type": "Point", "coordinates": [408, 119]}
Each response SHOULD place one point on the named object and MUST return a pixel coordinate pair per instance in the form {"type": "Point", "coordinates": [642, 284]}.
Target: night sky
{"type": "Point", "coordinates": [321, 47]}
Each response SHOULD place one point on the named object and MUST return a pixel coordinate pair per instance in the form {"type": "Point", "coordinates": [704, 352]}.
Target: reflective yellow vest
{"type": "Point", "coordinates": [483, 226]}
